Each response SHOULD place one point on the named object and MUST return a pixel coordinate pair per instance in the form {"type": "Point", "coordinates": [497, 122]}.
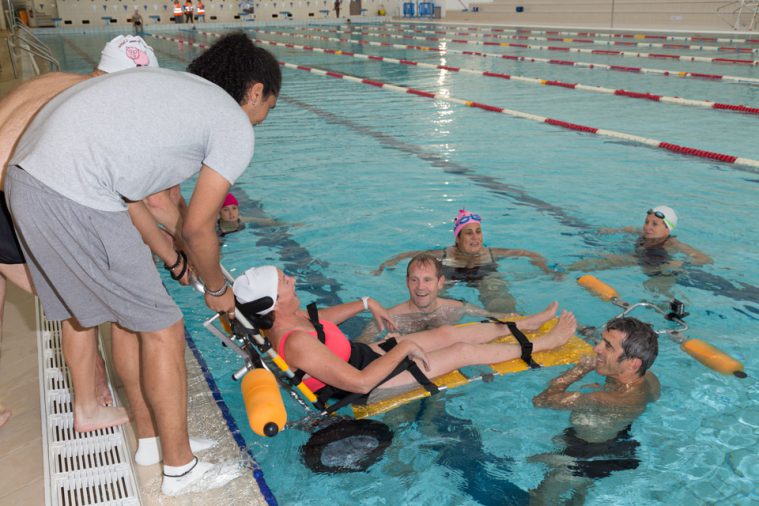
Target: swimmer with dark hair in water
{"type": "Point", "coordinates": [654, 250]}
{"type": "Point", "coordinates": [470, 261]}
{"type": "Point", "coordinates": [599, 441]}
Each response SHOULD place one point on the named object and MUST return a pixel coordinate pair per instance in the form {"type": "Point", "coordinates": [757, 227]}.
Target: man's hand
{"type": "Point", "coordinates": [223, 304]}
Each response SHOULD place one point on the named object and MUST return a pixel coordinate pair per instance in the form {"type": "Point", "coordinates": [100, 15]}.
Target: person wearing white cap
{"type": "Point", "coordinates": [654, 249]}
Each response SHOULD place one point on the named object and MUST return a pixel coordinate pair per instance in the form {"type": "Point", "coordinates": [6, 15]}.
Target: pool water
{"type": "Point", "coordinates": [358, 174]}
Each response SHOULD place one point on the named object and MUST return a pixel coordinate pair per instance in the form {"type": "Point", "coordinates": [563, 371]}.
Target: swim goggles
{"type": "Point", "coordinates": [466, 219]}
{"type": "Point", "coordinates": [662, 217]}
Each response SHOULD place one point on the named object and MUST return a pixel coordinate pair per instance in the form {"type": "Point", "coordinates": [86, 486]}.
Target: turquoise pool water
{"type": "Point", "coordinates": [360, 173]}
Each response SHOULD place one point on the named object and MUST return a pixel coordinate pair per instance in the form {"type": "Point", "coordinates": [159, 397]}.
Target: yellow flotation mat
{"type": "Point", "coordinates": [570, 353]}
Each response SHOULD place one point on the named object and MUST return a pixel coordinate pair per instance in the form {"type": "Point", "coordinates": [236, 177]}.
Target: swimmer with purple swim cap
{"type": "Point", "coordinates": [470, 261]}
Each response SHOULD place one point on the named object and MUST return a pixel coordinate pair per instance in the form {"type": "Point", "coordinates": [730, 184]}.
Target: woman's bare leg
{"type": "Point", "coordinates": [462, 354]}
{"type": "Point", "coordinates": [443, 337]}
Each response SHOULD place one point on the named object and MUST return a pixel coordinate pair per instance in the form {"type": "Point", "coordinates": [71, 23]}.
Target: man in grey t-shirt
{"type": "Point", "coordinates": [92, 154]}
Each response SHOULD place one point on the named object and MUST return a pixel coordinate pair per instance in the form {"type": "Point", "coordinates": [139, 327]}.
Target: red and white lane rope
{"type": "Point", "coordinates": [569, 40]}
{"type": "Point", "coordinates": [605, 52]}
{"type": "Point", "coordinates": [615, 35]}
{"type": "Point", "coordinates": [634, 139]}
{"type": "Point", "coordinates": [584, 65]}
{"type": "Point", "coordinates": [529, 80]}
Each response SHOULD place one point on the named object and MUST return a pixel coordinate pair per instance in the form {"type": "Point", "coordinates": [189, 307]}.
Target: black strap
{"type": "Point", "coordinates": [313, 315]}
{"type": "Point", "coordinates": [524, 343]}
{"type": "Point", "coordinates": [405, 365]}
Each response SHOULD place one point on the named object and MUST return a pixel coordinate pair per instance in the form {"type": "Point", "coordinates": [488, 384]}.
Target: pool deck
{"type": "Point", "coordinates": [21, 453]}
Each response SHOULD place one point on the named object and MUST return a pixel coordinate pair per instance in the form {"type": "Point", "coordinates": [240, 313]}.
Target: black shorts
{"type": "Point", "coordinates": [10, 250]}
{"type": "Point", "coordinates": [599, 460]}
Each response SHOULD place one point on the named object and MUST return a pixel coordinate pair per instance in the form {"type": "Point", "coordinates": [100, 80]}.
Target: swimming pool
{"type": "Point", "coordinates": [361, 173]}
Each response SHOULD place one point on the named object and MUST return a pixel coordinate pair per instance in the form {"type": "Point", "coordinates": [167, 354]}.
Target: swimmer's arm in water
{"type": "Point", "coordinates": [535, 259]}
{"type": "Point", "coordinates": [397, 258]}
{"type": "Point", "coordinates": [600, 264]}
{"type": "Point", "coordinates": [156, 239]}
{"type": "Point", "coordinates": [267, 222]}
{"type": "Point", "coordinates": [306, 353]}
{"type": "Point", "coordinates": [338, 314]}
{"type": "Point", "coordinates": [625, 230]}
{"type": "Point", "coordinates": [696, 256]}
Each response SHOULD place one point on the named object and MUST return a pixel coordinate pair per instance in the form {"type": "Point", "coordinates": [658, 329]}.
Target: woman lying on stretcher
{"type": "Point", "coordinates": [337, 367]}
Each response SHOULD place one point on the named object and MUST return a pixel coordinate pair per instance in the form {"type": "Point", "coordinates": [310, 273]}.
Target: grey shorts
{"type": "Point", "coordinates": [86, 263]}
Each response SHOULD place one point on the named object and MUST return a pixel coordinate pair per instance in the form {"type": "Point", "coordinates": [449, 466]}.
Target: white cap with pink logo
{"type": "Point", "coordinates": [126, 52]}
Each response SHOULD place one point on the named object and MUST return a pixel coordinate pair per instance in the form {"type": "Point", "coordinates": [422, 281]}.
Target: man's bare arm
{"type": "Point", "coordinates": [556, 395]}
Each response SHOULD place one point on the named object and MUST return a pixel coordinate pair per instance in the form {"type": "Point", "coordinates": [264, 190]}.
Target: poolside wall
{"type": "Point", "coordinates": [654, 14]}
{"type": "Point", "coordinates": [90, 13]}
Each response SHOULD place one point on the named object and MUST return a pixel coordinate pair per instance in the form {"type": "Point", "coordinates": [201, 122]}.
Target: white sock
{"type": "Point", "coordinates": [149, 449]}
{"type": "Point", "coordinates": [197, 476]}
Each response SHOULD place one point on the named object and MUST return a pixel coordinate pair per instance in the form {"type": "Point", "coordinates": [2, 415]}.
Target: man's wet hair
{"type": "Point", "coordinates": [640, 341]}
{"type": "Point", "coordinates": [425, 259]}
{"type": "Point", "coordinates": [234, 63]}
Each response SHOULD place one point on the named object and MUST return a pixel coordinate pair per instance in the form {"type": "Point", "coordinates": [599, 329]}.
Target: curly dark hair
{"type": "Point", "coordinates": [235, 63]}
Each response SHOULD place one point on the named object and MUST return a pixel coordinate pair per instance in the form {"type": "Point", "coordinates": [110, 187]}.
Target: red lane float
{"type": "Point", "coordinates": [479, 28]}
{"type": "Point", "coordinates": [529, 80]}
{"type": "Point", "coordinates": [635, 139]}
{"type": "Point", "coordinates": [383, 30]}
{"type": "Point", "coordinates": [584, 65]}
{"type": "Point", "coordinates": [556, 48]}
{"type": "Point", "coordinates": [374, 29]}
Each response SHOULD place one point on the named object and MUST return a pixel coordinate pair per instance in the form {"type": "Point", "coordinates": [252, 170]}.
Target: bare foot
{"type": "Point", "coordinates": [5, 415]}
{"type": "Point", "coordinates": [534, 321]}
{"type": "Point", "coordinates": [103, 393]}
{"type": "Point", "coordinates": [560, 334]}
{"type": "Point", "coordinates": [102, 417]}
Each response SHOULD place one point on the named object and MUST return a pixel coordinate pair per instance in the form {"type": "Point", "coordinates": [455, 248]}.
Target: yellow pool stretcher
{"type": "Point", "coordinates": [569, 353]}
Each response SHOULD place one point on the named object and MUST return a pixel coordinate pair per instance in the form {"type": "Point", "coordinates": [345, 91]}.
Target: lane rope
{"type": "Point", "coordinates": [707, 104]}
{"type": "Point", "coordinates": [751, 164]}
{"type": "Point", "coordinates": [566, 39]}
{"type": "Point", "coordinates": [584, 65]}
{"type": "Point", "coordinates": [604, 52]}
{"type": "Point", "coordinates": [519, 30]}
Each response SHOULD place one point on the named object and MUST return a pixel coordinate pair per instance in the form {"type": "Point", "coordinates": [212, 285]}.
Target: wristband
{"type": "Point", "coordinates": [365, 300]}
{"type": "Point", "coordinates": [176, 264]}
{"type": "Point", "coordinates": [216, 293]}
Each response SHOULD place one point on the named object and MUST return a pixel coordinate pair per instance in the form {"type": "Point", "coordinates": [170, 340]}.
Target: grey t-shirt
{"type": "Point", "coordinates": [133, 133]}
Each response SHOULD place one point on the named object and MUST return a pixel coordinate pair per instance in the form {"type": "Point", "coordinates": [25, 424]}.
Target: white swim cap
{"type": "Point", "coordinates": [126, 52]}
{"type": "Point", "coordinates": [667, 214]}
{"type": "Point", "coordinates": [256, 283]}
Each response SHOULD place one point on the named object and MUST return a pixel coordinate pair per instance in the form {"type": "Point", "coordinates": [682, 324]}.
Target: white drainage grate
{"type": "Point", "coordinates": [81, 469]}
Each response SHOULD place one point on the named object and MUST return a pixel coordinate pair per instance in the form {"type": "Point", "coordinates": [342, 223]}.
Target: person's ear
{"type": "Point", "coordinates": [634, 364]}
{"type": "Point", "coordinates": [255, 94]}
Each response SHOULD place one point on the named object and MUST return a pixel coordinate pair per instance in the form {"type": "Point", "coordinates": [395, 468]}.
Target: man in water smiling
{"type": "Point", "coordinates": [599, 440]}
{"type": "Point", "coordinates": [424, 310]}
